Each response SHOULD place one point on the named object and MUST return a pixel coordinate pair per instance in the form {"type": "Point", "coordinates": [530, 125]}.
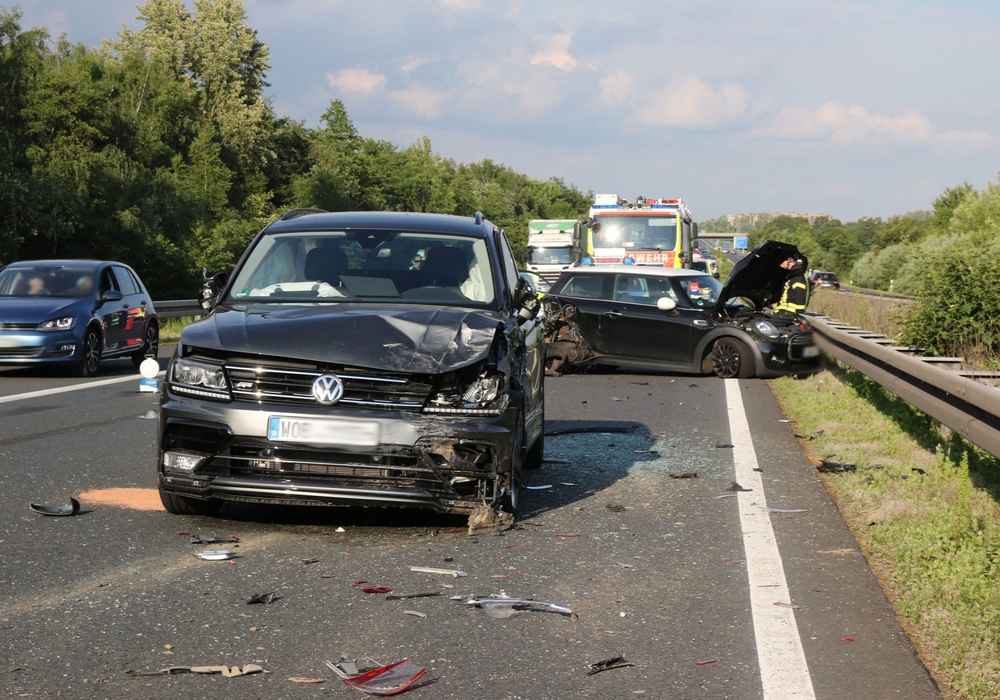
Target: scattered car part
{"type": "Point", "coordinates": [405, 596]}
{"type": "Point", "coordinates": [830, 466]}
{"type": "Point", "coordinates": [415, 613]}
{"type": "Point", "coordinates": [736, 487]}
{"type": "Point", "coordinates": [608, 664]}
{"type": "Point", "coordinates": [486, 520]}
{"type": "Point", "coordinates": [225, 671]}
{"type": "Point", "coordinates": [387, 680]}
{"type": "Point", "coordinates": [501, 607]}
{"type": "Point", "coordinates": [71, 509]}
{"type": "Point", "coordinates": [614, 507]}
{"type": "Point", "coordinates": [542, 487]}
{"type": "Point", "coordinates": [376, 589]}
{"type": "Point", "coordinates": [211, 539]}
{"type": "Point", "coordinates": [260, 599]}
{"type": "Point", "coordinates": [430, 570]}
{"type": "Point", "coordinates": [306, 679]}
{"type": "Point", "coordinates": [216, 554]}
{"type": "Point", "coordinates": [149, 415]}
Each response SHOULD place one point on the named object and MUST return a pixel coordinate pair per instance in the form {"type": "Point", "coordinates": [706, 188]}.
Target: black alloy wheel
{"type": "Point", "coordinates": [90, 359]}
{"type": "Point", "coordinates": [732, 359]}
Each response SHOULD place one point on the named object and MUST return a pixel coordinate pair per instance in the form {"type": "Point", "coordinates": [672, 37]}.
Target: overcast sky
{"type": "Point", "coordinates": [846, 108]}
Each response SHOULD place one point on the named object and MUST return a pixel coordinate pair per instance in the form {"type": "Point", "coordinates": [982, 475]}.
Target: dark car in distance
{"type": "Point", "coordinates": [74, 313]}
{"type": "Point", "coordinates": [821, 278]}
{"type": "Point", "coordinates": [333, 371]}
{"type": "Point", "coordinates": [679, 320]}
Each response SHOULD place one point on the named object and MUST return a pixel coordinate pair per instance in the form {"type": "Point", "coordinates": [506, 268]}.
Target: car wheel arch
{"type": "Point", "coordinates": [704, 350]}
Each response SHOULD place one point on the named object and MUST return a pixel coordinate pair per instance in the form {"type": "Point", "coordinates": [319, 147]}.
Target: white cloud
{"type": "Point", "coordinates": [847, 124]}
{"type": "Point", "coordinates": [556, 53]}
{"type": "Point", "coordinates": [964, 143]}
{"type": "Point", "coordinates": [412, 63]}
{"type": "Point", "coordinates": [694, 103]}
{"type": "Point", "coordinates": [422, 102]}
{"type": "Point", "coordinates": [355, 80]}
{"type": "Point", "coordinates": [618, 89]}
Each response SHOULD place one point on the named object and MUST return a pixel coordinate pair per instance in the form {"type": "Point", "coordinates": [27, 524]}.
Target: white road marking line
{"type": "Point", "coordinates": [784, 673]}
{"type": "Point", "coordinates": [72, 387]}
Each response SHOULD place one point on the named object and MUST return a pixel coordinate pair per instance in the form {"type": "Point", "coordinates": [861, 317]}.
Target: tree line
{"type": "Point", "coordinates": [160, 149]}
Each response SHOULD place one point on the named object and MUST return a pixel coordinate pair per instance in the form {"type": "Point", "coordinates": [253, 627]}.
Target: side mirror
{"type": "Point", "coordinates": [666, 304]}
{"type": "Point", "coordinates": [208, 295]}
{"type": "Point", "coordinates": [526, 301]}
{"type": "Point", "coordinates": [112, 295]}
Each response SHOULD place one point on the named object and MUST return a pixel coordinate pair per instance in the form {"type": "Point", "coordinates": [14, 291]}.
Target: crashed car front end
{"type": "Point", "coordinates": [251, 429]}
{"type": "Point", "coordinates": [786, 343]}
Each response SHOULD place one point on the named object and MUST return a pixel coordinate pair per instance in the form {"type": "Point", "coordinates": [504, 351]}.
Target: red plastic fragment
{"type": "Point", "coordinates": [234, 537]}
{"type": "Point", "coordinates": [359, 583]}
{"type": "Point", "coordinates": [816, 590]}
{"type": "Point", "coordinates": [705, 663]}
{"type": "Point", "coordinates": [185, 534]}
{"type": "Point", "coordinates": [387, 680]}
{"type": "Point", "coordinates": [376, 589]}
{"type": "Point", "coordinates": [847, 639]}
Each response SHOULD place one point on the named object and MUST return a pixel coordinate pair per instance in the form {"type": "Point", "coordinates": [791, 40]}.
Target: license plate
{"type": "Point", "coordinates": [11, 341]}
{"type": "Point", "coordinates": [323, 431]}
{"type": "Point", "coordinates": [810, 351]}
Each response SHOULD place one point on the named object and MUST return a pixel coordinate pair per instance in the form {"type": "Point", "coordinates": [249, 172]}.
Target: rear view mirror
{"type": "Point", "coordinates": [208, 295]}
{"type": "Point", "coordinates": [526, 300]}
{"type": "Point", "coordinates": [666, 304]}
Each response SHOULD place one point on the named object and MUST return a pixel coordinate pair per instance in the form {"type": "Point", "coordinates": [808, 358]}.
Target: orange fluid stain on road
{"type": "Point", "coordinates": [133, 498]}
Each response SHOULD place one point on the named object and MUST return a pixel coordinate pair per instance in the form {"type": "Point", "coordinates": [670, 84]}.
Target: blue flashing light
{"type": "Point", "coordinates": [587, 261]}
{"type": "Point", "coordinates": [605, 206]}
{"type": "Point", "coordinates": [628, 261]}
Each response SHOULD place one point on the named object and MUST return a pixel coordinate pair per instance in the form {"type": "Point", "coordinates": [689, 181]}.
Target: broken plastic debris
{"type": "Point", "coordinates": [306, 679]}
{"type": "Point", "coordinates": [785, 605]}
{"type": "Point", "coordinates": [359, 583]}
{"type": "Point", "coordinates": [71, 509]}
{"type": "Point", "coordinates": [311, 560]}
{"type": "Point", "coordinates": [376, 589]}
{"type": "Point", "coordinates": [260, 599]}
{"type": "Point", "coordinates": [211, 539]}
{"type": "Point", "coordinates": [216, 554]}
{"type": "Point", "coordinates": [786, 510]}
{"type": "Point", "coordinates": [608, 664]}
{"type": "Point", "coordinates": [723, 445]}
{"type": "Point", "coordinates": [415, 613]}
{"type": "Point", "coordinates": [403, 596]}
{"type": "Point", "coordinates": [567, 483]}
{"type": "Point", "coordinates": [830, 466]}
{"type": "Point", "coordinates": [614, 507]}
{"type": "Point", "coordinates": [785, 420]}
{"type": "Point", "coordinates": [387, 680]}
{"type": "Point", "coordinates": [539, 488]}
{"type": "Point", "coordinates": [226, 671]}
{"type": "Point", "coordinates": [847, 639]}
{"type": "Point", "coordinates": [684, 475]}
{"type": "Point", "coordinates": [501, 607]}
{"type": "Point", "coordinates": [615, 398]}
{"type": "Point", "coordinates": [429, 570]}
{"type": "Point", "coordinates": [340, 529]}
{"type": "Point", "coordinates": [736, 487]}
{"type": "Point", "coordinates": [149, 415]}
{"type": "Point", "coordinates": [487, 520]}
{"type": "Point", "coordinates": [705, 663]}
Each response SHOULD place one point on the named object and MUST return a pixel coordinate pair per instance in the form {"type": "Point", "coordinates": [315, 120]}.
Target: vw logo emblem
{"type": "Point", "coordinates": [328, 389]}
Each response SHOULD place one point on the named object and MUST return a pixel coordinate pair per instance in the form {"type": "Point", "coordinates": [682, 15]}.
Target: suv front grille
{"type": "Point", "coordinates": [277, 384]}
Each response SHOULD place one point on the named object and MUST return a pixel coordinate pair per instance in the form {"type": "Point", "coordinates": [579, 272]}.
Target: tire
{"type": "Point", "coordinates": [181, 505]}
{"type": "Point", "coordinates": [732, 359]}
{"type": "Point", "coordinates": [150, 347]}
{"type": "Point", "coordinates": [90, 360]}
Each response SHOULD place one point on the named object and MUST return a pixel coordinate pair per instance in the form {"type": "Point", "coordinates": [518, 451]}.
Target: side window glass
{"type": "Point", "coordinates": [136, 282]}
{"type": "Point", "coordinates": [584, 286]}
{"type": "Point", "coordinates": [107, 282]}
{"type": "Point", "coordinates": [510, 267]}
{"type": "Point", "coordinates": [124, 281]}
{"type": "Point", "coordinates": [633, 289]}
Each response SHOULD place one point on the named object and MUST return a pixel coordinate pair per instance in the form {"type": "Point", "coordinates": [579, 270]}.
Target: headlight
{"type": "Point", "coordinates": [767, 329]}
{"type": "Point", "coordinates": [483, 396]}
{"type": "Point", "coordinates": [58, 324]}
{"type": "Point", "coordinates": [185, 375]}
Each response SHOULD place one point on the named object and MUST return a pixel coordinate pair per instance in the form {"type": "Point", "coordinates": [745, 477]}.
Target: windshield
{"type": "Point", "coordinates": [367, 266]}
{"type": "Point", "coordinates": [67, 281]}
{"type": "Point", "coordinates": [639, 232]}
{"type": "Point", "coordinates": [551, 256]}
{"type": "Point", "coordinates": [702, 291]}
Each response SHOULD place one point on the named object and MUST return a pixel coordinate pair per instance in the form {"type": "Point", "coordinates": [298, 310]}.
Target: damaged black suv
{"type": "Point", "coordinates": [679, 320]}
{"type": "Point", "coordinates": [376, 358]}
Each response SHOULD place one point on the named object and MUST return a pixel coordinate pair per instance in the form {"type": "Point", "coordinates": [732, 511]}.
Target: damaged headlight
{"type": "Point", "coordinates": [483, 396]}
{"type": "Point", "coordinates": [767, 329]}
{"type": "Point", "coordinates": [199, 379]}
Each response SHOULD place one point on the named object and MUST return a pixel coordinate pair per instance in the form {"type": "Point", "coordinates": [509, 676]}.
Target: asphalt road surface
{"type": "Point", "coordinates": [681, 576]}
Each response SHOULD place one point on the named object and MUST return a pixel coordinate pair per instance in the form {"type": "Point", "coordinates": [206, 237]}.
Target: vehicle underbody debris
{"type": "Point", "coordinates": [502, 607]}
{"type": "Point", "coordinates": [486, 520]}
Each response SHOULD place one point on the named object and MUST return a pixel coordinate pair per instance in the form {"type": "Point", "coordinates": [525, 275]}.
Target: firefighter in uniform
{"type": "Point", "coordinates": [795, 296]}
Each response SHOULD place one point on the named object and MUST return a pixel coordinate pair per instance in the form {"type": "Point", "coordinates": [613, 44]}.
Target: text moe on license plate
{"type": "Point", "coordinates": [323, 431]}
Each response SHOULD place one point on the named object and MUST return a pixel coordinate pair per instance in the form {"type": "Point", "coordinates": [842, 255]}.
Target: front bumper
{"type": "Point", "coordinates": [35, 347]}
{"type": "Point", "coordinates": [797, 355]}
{"type": "Point", "coordinates": [447, 463]}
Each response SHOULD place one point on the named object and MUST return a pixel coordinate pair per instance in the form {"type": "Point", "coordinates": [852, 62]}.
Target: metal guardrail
{"type": "Point", "coordinates": [179, 308]}
{"type": "Point", "coordinates": [953, 398]}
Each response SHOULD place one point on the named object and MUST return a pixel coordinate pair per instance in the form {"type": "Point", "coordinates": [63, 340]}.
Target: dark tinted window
{"type": "Point", "coordinates": [107, 281]}
{"type": "Point", "coordinates": [583, 286]}
{"type": "Point", "coordinates": [125, 282]}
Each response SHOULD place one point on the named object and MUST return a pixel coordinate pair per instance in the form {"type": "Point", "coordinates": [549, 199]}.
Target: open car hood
{"type": "Point", "coordinates": [758, 276]}
{"type": "Point", "coordinates": [419, 339]}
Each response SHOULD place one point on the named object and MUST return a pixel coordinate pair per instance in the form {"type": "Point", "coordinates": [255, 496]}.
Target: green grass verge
{"type": "Point", "coordinates": [924, 506]}
{"type": "Point", "coordinates": [170, 328]}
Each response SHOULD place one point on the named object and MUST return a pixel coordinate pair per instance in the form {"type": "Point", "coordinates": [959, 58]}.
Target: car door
{"type": "Point", "coordinates": [585, 291]}
{"type": "Point", "coordinates": [112, 310]}
{"type": "Point", "coordinates": [135, 303]}
{"type": "Point", "coordinates": [634, 328]}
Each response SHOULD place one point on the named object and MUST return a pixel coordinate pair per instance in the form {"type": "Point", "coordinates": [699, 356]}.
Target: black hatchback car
{"type": "Point", "coordinates": [74, 313]}
{"type": "Point", "coordinates": [679, 320]}
{"type": "Point", "coordinates": [336, 370]}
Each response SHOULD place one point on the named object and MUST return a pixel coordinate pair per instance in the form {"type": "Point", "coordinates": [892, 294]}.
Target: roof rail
{"type": "Point", "coordinates": [479, 218]}
{"type": "Point", "coordinates": [302, 211]}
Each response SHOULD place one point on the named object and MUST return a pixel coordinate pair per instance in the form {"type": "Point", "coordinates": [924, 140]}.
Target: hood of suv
{"type": "Point", "coordinates": [758, 276]}
{"type": "Point", "coordinates": [402, 338]}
